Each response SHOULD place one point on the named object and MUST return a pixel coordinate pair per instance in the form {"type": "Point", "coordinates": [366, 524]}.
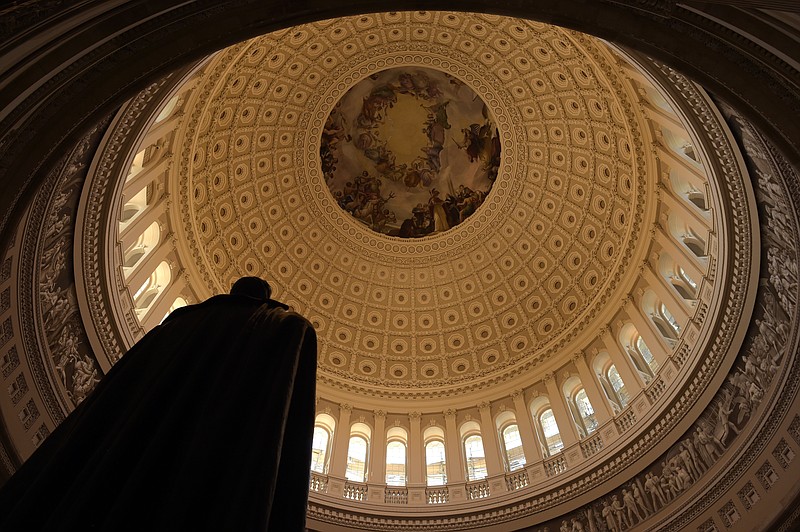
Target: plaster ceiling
{"type": "Point", "coordinates": [529, 275]}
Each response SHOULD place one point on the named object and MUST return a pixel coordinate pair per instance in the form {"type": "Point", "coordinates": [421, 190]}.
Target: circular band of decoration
{"type": "Point", "coordinates": [410, 151]}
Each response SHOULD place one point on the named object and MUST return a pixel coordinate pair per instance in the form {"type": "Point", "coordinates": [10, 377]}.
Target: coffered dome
{"type": "Point", "coordinates": [564, 175]}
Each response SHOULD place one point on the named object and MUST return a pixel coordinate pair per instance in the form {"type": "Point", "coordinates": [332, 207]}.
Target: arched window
{"type": "Point", "coordinates": [324, 426]}
{"type": "Point", "coordinates": [688, 280]}
{"type": "Point", "coordinates": [646, 354]}
{"type": "Point", "coordinates": [396, 463]}
{"type": "Point", "coordinates": [475, 457]}
{"type": "Point", "coordinates": [436, 474]}
{"type": "Point", "coordinates": [167, 110]}
{"type": "Point", "coordinates": [319, 449]}
{"type": "Point", "coordinates": [697, 198]}
{"type": "Point", "coordinates": [153, 286]}
{"type": "Point", "coordinates": [134, 255]}
{"type": "Point", "coordinates": [617, 386]}
{"type": "Point", "coordinates": [552, 437]}
{"type": "Point", "coordinates": [357, 459]}
{"type": "Point", "coordinates": [144, 245]}
{"type": "Point", "coordinates": [512, 445]}
{"type": "Point", "coordinates": [673, 323]}
{"type": "Point", "coordinates": [695, 244]}
{"type": "Point", "coordinates": [684, 284]}
{"type": "Point", "coordinates": [585, 411]}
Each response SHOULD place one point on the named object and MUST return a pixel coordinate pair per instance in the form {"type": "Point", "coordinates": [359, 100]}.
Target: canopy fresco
{"type": "Point", "coordinates": [410, 151]}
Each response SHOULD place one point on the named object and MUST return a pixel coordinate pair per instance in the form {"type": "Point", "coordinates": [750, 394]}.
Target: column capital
{"type": "Point", "coordinates": [483, 405]}
{"type": "Point", "coordinates": [518, 392]}
{"type": "Point", "coordinates": [346, 406]}
{"type": "Point", "coordinates": [379, 413]}
{"type": "Point", "coordinates": [449, 413]}
{"type": "Point", "coordinates": [548, 376]}
{"type": "Point", "coordinates": [578, 355]}
{"type": "Point", "coordinates": [415, 415]}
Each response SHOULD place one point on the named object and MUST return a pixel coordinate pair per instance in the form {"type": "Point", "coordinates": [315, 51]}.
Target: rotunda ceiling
{"type": "Point", "coordinates": [450, 198]}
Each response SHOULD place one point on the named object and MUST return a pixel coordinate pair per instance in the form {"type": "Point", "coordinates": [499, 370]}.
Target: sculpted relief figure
{"type": "Point", "coordinates": [206, 425]}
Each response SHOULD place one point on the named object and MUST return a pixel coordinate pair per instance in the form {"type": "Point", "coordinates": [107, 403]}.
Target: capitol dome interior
{"type": "Point", "coordinates": [550, 257]}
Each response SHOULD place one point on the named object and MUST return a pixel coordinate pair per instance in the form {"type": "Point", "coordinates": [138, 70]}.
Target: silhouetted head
{"type": "Point", "coordinates": [254, 287]}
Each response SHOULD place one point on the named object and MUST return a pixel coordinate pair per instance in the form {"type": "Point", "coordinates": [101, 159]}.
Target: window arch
{"type": "Point", "coordinates": [476, 457]}
{"type": "Point", "coordinates": [611, 382]}
{"type": "Point", "coordinates": [677, 277]}
{"type": "Point", "coordinates": [512, 447]}
{"type": "Point", "coordinates": [646, 354]}
{"type": "Point", "coordinates": [435, 462]}
{"type": "Point", "coordinates": [580, 406]}
{"type": "Point", "coordinates": [320, 447]}
{"type": "Point", "coordinates": [474, 454]}
{"type": "Point", "coordinates": [510, 440]}
{"type": "Point", "coordinates": [358, 452]}
{"type": "Point", "coordinates": [618, 386]}
{"type": "Point", "coordinates": [552, 436]}
{"type": "Point", "coordinates": [144, 245]}
{"type": "Point", "coordinates": [546, 426]}
{"type": "Point", "coordinates": [396, 451]}
{"type": "Point", "coordinates": [435, 457]}
{"type": "Point", "coordinates": [585, 411]}
{"type": "Point", "coordinates": [167, 110]}
{"type": "Point", "coordinates": [152, 287]}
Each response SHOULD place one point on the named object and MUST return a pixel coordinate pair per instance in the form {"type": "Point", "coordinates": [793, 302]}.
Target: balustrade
{"type": "Point", "coordinates": [319, 483]}
{"type": "Point", "coordinates": [656, 388]}
{"type": "Point", "coordinates": [395, 495]}
{"type": "Point", "coordinates": [478, 490]}
{"type": "Point", "coordinates": [592, 445]}
{"type": "Point", "coordinates": [625, 420]}
{"type": "Point", "coordinates": [555, 466]}
{"type": "Point", "coordinates": [355, 491]}
{"type": "Point", "coordinates": [437, 495]}
{"type": "Point", "coordinates": [517, 480]}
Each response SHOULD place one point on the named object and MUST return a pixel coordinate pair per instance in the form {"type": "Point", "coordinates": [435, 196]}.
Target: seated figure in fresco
{"type": "Point", "coordinates": [205, 424]}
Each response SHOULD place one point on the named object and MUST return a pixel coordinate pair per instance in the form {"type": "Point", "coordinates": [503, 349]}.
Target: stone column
{"type": "Point", "coordinates": [377, 456]}
{"type": "Point", "coordinates": [622, 361]}
{"type": "Point", "coordinates": [491, 445]}
{"type": "Point", "coordinates": [647, 329]}
{"type": "Point", "coordinates": [148, 265]}
{"type": "Point", "coordinates": [693, 265]}
{"type": "Point", "coordinates": [530, 444]}
{"type": "Point", "coordinates": [678, 306]}
{"type": "Point", "coordinates": [416, 469]}
{"type": "Point", "coordinates": [131, 232]}
{"type": "Point", "coordinates": [602, 410]}
{"type": "Point", "coordinates": [453, 455]}
{"type": "Point", "coordinates": [341, 442]}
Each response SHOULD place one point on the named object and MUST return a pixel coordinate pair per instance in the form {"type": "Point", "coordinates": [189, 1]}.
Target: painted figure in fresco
{"type": "Point", "coordinates": [437, 212]}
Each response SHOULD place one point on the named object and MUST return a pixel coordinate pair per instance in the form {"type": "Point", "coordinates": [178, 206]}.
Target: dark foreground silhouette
{"type": "Point", "coordinates": [204, 425]}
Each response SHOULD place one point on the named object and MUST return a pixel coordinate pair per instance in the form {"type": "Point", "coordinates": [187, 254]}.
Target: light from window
{"type": "Point", "coordinates": [618, 386]}
{"type": "Point", "coordinates": [356, 459]}
{"type": "Point", "coordinates": [670, 318]}
{"type": "Point", "coordinates": [686, 278]}
{"type": "Point", "coordinates": [550, 429]}
{"type": "Point", "coordinates": [476, 458]}
{"type": "Point", "coordinates": [396, 463]}
{"type": "Point", "coordinates": [647, 355]}
{"type": "Point", "coordinates": [515, 456]}
{"type": "Point", "coordinates": [435, 463]}
{"type": "Point", "coordinates": [319, 449]}
{"type": "Point", "coordinates": [586, 411]}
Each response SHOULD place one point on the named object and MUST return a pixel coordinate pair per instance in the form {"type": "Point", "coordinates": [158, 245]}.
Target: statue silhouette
{"type": "Point", "coordinates": [204, 425]}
